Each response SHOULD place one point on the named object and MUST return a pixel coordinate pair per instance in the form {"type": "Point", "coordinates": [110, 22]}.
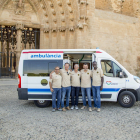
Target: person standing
{"type": "Point", "coordinates": [97, 85]}
{"type": "Point", "coordinates": [86, 86]}
{"type": "Point", "coordinates": [66, 86]}
{"type": "Point", "coordinates": [75, 81]}
{"type": "Point", "coordinates": [55, 87]}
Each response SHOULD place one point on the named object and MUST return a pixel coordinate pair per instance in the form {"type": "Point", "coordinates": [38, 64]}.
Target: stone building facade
{"type": "Point", "coordinates": [111, 25]}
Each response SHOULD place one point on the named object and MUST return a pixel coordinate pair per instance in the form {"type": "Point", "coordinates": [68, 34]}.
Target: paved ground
{"type": "Point", "coordinates": [22, 120]}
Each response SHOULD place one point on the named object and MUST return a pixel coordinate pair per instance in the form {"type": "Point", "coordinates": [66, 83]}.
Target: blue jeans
{"type": "Point", "coordinates": [96, 96]}
{"type": "Point", "coordinates": [84, 91]}
{"type": "Point", "coordinates": [74, 95]}
{"type": "Point", "coordinates": [65, 92]}
{"type": "Point", "coordinates": [56, 93]}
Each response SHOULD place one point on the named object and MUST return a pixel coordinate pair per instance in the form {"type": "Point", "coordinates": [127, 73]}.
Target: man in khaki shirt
{"type": "Point", "coordinates": [66, 86]}
{"type": "Point", "coordinates": [75, 81]}
{"type": "Point", "coordinates": [86, 86]}
{"type": "Point", "coordinates": [55, 87]}
{"type": "Point", "coordinates": [97, 85]}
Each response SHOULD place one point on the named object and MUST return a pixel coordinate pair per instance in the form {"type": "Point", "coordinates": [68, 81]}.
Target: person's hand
{"type": "Point", "coordinates": [71, 70]}
{"type": "Point", "coordinates": [51, 90]}
{"type": "Point", "coordinates": [101, 88]}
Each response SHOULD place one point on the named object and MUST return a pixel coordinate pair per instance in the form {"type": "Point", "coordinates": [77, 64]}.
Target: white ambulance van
{"type": "Point", "coordinates": [36, 65]}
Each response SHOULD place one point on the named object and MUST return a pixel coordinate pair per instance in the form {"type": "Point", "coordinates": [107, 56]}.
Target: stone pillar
{"type": "Point", "coordinates": [19, 27]}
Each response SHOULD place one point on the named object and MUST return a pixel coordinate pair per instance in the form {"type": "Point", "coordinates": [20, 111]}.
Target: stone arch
{"type": "Point", "coordinates": [11, 8]}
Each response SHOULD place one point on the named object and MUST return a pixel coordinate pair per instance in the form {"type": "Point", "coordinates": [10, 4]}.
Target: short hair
{"type": "Point", "coordinates": [85, 64]}
{"type": "Point", "coordinates": [66, 63]}
{"type": "Point", "coordinates": [57, 67]}
{"type": "Point", "coordinates": [76, 64]}
{"type": "Point", "coordinates": [94, 62]}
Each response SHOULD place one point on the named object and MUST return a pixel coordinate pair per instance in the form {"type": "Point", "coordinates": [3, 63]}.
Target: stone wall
{"type": "Point", "coordinates": [125, 7]}
{"type": "Point", "coordinates": [119, 35]}
{"type": "Point", "coordinates": [111, 25]}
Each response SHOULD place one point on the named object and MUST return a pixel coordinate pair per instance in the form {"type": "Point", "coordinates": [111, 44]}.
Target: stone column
{"type": "Point", "coordinates": [19, 27]}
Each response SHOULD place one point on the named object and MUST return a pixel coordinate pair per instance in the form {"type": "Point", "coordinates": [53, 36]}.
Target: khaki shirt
{"type": "Point", "coordinates": [96, 77]}
{"type": "Point", "coordinates": [75, 78]}
{"type": "Point", "coordinates": [56, 80]}
{"type": "Point", "coordinates": [86, 78]}
{"type": "Point", "coordinates": [65, 77]}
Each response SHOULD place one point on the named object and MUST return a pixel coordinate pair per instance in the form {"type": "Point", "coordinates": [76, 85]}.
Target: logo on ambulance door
{"type": "Point", "coordinates": [111, 83]}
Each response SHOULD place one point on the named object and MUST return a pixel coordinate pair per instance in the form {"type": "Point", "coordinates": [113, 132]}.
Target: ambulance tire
{"type": "Point", "coordinates": [126, 99]}
{"type": "Point", "coordinates": [42, 103]}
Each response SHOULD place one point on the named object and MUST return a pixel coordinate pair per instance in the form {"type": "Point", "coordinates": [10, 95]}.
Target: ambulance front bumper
{"type": "Point", "coordinates": [138, 94]}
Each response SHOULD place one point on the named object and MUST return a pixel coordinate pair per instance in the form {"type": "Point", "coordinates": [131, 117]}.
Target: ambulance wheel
{"type": "Point", "coordinates": [42, 103]}
{"type": "Point", "coordinates": [126, 99]}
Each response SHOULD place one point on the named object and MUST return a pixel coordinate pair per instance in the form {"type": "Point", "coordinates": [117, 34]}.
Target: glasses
{"type": "Point", "coordinates": [56, 69]}
{"type": "Point", "coordinates": [67, 73]}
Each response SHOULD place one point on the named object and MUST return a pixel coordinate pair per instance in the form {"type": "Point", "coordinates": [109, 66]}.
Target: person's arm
{"type": "Point", "coordinates": [61, 71]}
{"type": "Point", "coordinates": [50, 84]}
{"type": "Point", "coordinates": [91, 73]}
{"type": "Point", "coordinates": [102, 80]}
{"type": "Point", "coordinates": [51, 74]}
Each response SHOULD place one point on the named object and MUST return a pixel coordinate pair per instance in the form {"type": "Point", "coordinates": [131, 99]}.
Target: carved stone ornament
{"type": "Point", "coordinates": [72, 28]}
{"type": "Point", "coordinates": [60, 3]}
{"type": "Point", "coordinates": [80, 26]}
{"type": "Point", "coordinates": [19, 8]}
{"type": "Point", "coordinates": [81, 17]}
{"type": "Point", "coordinates": [19, 26]}
{"type": "Point", "coordinates": [63, 19]}
{"type": "Point", "coordinates": [51, 5]}
{"type": "Point", "coordinates": [82, 2]}
{"type": "Point", "coordinates": [46, 30]}
{"type": "Point", "coordinates": [62, 29]}
{"type": "Point", "coordinates": [69, 3]}
{"type": "Point", "coordinates": [54, 29]}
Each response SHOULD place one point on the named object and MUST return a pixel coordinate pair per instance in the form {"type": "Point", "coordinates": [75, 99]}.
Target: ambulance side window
{"type": "Point", "coordinates": [117, 70]}
{"type": "Point", "coordinates": [52, 67]}
{"type": "Point", "coordinates": [107, 68]}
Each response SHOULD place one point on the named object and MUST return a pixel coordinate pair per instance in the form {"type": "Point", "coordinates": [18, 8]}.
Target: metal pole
{"type": "Point", "coordinates": [11, 65]}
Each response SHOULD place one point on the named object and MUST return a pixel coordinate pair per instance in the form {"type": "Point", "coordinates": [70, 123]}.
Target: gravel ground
{"type": "Point", "coordinates": [23, 120]}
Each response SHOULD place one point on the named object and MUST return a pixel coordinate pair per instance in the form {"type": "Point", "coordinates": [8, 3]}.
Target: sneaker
{"type": "Point", "coordinates": [95, 108]}
{"type": "Point", "coordinates": [63, 109]}
{"type": "Point", "coordinates": [98, 109]}
{"type": "Point", "coordinates": [90, 109]}
{"type": "Point", "coordinates": [68, 108]}
{"type": "Point", "coordinates": [53, 110]}
{"type": "Point", "coordinates": [72, 107]}
{"type": "Point", "coordinates": [59, 109]}
{"type": "Point", "coordinates": [76, 107]}
{"type": "Point", "coordinates": [84, 107]}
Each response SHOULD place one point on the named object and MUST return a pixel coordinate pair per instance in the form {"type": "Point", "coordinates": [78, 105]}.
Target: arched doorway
{"type": "Point", "coordinates": [8, 40]}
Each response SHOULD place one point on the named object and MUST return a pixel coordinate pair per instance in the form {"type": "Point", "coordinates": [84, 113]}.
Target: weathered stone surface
{"type": "Point", "coordinates": [111, 25]}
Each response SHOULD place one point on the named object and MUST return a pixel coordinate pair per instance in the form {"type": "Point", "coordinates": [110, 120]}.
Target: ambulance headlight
{"type": "Point", "coordinates": [137, 79]}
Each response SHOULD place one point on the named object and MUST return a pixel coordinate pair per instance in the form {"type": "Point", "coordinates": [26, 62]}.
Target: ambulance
{"type": "Point", "coordinates": [36, 65]}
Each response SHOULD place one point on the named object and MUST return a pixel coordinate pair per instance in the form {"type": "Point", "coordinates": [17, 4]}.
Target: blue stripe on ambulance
{"type": "Point", "coordinates": [48, 90]}
{"type": "Point", "coordinates": [38, 90]}
{"type": "Point", "coordinates": [110, 89]}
